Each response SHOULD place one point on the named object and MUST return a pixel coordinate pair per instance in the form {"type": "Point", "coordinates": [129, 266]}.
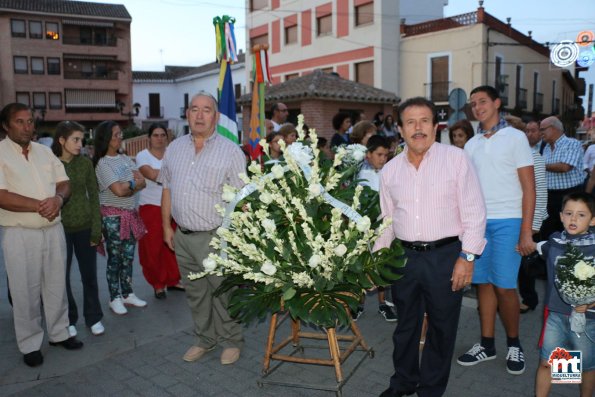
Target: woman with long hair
{"type": "Point", "coordinates": [159, 264]}
{"type": "Point", "coordinates": [119, 180]}
{"type": "Point", "coordinates": [389, 130]}
{"type": "Point", "coordinates": [82, 224]}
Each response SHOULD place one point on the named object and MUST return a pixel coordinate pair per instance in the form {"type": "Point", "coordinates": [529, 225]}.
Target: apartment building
{"type": "Point", "coordinates": [475, 48]}
{"type": "Point", "coordinates": [69, 60]}
{"type": "Point", "coordinates": [358, 39]}
{"type": "Point", "coordinates": [164, 96]}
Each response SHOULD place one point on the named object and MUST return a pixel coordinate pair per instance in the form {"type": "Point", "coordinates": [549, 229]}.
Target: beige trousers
{"type": "Point", "coordinates": [35, 261]}
{"type": "Point", "coordinates": [212, 323]}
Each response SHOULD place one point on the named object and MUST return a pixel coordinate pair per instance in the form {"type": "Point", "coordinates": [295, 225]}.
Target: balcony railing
{"type": "Point", "coordinates": [438, 91]}
{"type": "Point", "coordinates": [538, 102]}
{"type": "Point", "coordinates": [94, 41]}
{"type": "Point", "coordinates": [90, 75]}
{"type": "Point", "coordinates": [521, 98]}
{"type": "Point", "coordinates": [154, 112]}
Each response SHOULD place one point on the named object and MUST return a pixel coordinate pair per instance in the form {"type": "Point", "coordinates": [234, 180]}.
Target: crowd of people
{"type": "Point", "coordinates": [468, 213]}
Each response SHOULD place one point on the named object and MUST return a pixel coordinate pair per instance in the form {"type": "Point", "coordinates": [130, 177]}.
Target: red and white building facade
{"type": "Point", "coordinates": [358, 39]}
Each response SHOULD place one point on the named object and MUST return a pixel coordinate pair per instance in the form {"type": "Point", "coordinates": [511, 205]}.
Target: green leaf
{"type": "Point", "coordinates": [288, 294]}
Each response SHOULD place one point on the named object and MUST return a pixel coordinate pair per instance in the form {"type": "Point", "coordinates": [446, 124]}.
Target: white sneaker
{"type": "Point", "coordinates": [71, 331]}
{"type": "Point", "coordinates": [118, 307]}
{"type": "Point", "coordinates": [133, 300]}
{"type": "Point", "coordinates": [97, 328]}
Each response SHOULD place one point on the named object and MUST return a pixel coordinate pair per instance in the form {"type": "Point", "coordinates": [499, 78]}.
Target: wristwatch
{"type": "Point", "coordinates": [469, 257]}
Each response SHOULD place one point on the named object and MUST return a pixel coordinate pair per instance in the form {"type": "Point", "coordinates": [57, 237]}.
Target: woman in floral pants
{"type": "Point", "coordinates": [119, 181]}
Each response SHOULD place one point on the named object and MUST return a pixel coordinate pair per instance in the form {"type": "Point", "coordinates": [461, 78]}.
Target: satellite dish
{"type": "Point", "coordinates": [457, 99]}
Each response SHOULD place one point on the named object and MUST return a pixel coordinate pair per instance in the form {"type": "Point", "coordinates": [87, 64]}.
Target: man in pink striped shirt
{"type": "Point", "coordinates": [433, 196]}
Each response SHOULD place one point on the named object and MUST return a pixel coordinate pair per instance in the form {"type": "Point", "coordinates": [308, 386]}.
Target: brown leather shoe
{"type": "Point", "coordinates": [195, 353]}
{"type": "Point", "coordinates": [230, 355]}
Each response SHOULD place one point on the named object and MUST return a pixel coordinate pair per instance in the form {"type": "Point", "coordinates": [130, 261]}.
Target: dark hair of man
{"type": "Point", "coordinates": [583, 197]}
{"type": "Point", "coordinates": [274, 108]}
{"type": "Point", "coordinates": [464, 125]}
{"type": "Point", "coordinates": [417, 101]}
{"type": "Point", "coordinates": [154, 126]}
{"type": "Point", "coordinates": [488, 89]}
{"type": "Point", "coordinates": [64, 129]}
{"type": "Point", "coordinates": [338, 120]}
{"type": "Point", "coordinates": [8, 112]}
{"type": "Point", "coordinates": [103, 135]}
{"type": "Point", "coordinates": [377, 141]}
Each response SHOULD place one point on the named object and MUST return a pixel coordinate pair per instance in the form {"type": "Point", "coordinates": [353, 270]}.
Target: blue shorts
{"type": "Point", "coordinates": [499, 263]}
{"type": "Point", "coordinates": [558, 334]}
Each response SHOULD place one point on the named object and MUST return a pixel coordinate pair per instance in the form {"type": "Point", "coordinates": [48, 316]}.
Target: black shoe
{"type": "Point", "coordinates": [160, 294]}
{"type": "Point", "coordinates": [387, 312]}
{"type": "Point", "coordinates": [177, 287]}
{"type": "Point", "coordinates": [69, 344]}
{"type": "Point", "coordinates": [356, 314]}
{"type": "Point", "coordinates": [393, 393]}
{"type": "Point", "coordinates": [33, 359]}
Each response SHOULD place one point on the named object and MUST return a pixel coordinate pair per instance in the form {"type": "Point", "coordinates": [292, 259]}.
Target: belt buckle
{"type": "Point", "coordinates": [424, 247]}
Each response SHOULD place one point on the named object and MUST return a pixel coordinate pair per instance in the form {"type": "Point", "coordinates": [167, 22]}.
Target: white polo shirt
{"type": "Point", "coordinates": [496, 160]}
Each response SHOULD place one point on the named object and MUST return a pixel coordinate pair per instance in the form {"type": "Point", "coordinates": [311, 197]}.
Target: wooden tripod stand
{"type": "Point", "coordinates": [337, 356]}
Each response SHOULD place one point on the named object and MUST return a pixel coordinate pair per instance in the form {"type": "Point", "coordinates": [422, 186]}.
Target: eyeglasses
{"type": "Point", "coordinates": [544, 128]}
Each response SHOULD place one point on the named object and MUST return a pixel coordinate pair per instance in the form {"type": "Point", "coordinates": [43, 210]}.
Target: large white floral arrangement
{"type": "Point", "coordinates": [575, 281]}
{"type": "Point", "coordinates": [295, 238]}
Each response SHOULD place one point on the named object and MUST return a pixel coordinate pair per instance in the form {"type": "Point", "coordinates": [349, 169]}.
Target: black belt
{"type": "Point", "coordinates": [186, 231]}
{"type": "Point", "coordinates": [428, 245]}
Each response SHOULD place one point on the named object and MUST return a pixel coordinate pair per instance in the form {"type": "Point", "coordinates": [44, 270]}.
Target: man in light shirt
{"type": "Point", "coordinates": [432, 194]}
{"type": "Point", "coordinates": [33, 187]}
{"type": "Point", "coordinates": [193, 172]}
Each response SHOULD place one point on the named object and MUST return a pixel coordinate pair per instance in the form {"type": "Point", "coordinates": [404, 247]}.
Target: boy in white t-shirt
{"type": "Point", "coordinates": [504, 164]}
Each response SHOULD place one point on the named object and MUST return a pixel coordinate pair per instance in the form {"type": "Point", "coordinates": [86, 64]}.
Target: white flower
{"type": "Point", "coordinates": [229, 193]}
{"type": "Point", "coordinates": [583, 271]}
{"type": "Point", "coordinates": [340, 250]}
{"type": "Point", "coordinates": [363, 224]}
{"type": "Point", "coordinates": [314, 261]}
{"type": "Point", "coordinates": [269, 225]}
{"type": "Point", "coordinates": [315, 189]}
{"type": "Point", "coordinates": [245, 178]}
{"type": "Point", "coordinates": [357, 151]}
{"type": "Point", "coordinates": [300, 153]}
{"type": "Point", "coordinates": [209, 264]}
{"type": "Point", "coordinates": [268, 268]}
{"type": "Point", "coordinates": [266, 198]}
{"type": "Point", "coordinates": [277, 171]}
{"type": "Point", "coordinates": [255, 168]}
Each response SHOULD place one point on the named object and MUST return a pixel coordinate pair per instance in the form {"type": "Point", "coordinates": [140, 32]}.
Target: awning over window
{"type": "Point", "coordinates": [79, 22]}
{"type": "Point", "coordinates": [90, 57]}
{"type": "Point", "coordinates": [90, 99]}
